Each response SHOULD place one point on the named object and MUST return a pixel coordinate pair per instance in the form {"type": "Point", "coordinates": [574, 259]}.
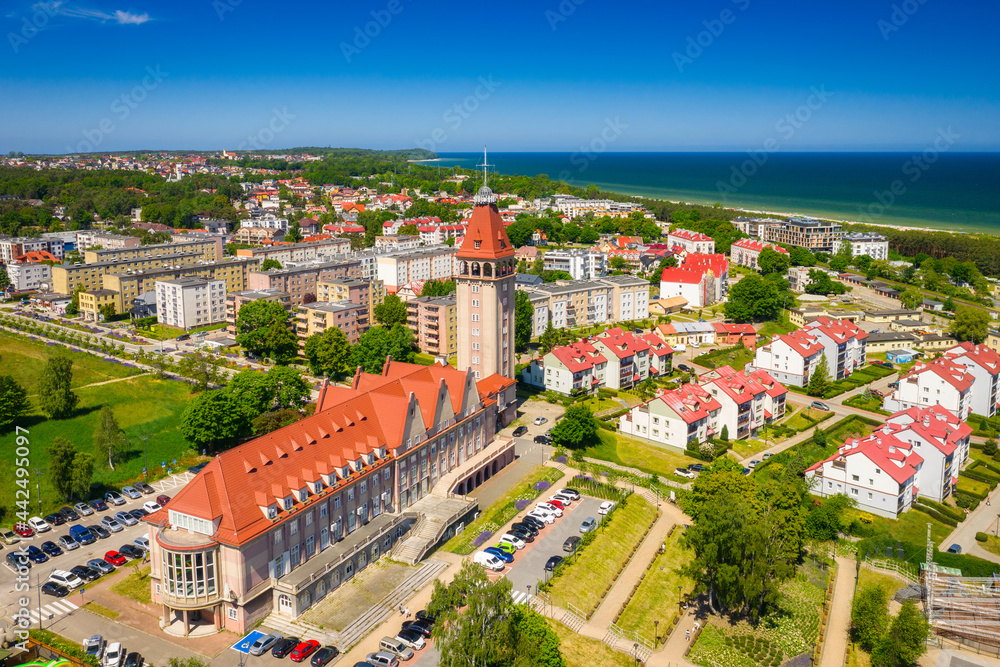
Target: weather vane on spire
{"type": "Point", "coordinates": [485, 196]}
{"type": "Point", "coordinates": [485, 165]}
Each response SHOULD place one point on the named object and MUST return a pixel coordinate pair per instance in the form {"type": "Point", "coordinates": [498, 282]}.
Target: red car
{"type": "Point", "coordinates": [115, 558]}
{"type": "Point", "coordinates": [24, 530]}
{"type": "Point", "coordinates": [557, 503]}
{"type": "Point", "coordinates": [304, 650]}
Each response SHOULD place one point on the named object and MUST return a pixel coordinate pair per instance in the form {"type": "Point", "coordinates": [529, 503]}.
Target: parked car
{"type": "Point", "coordinates": [500, 553]}
{"type": "Point", "coordinates": [422, 628]}
{"type": "Point", "coordinates": [394, 646]}
{"type": "Point", "coordinates": [525, 527]}
{"type": "Point", "coordinates": [9, 536]}
{"type": "Point", "coordinates": [753, 464]}
{"type": "Point", "coordinates": [519, 431]}
{"type": "Point", "coordinates": [69, 514]}
{"type": "Point", "coordinates": [84, 509]}
{"type": "Point", "coordinates": [894, 385]}
{"type": "Point", "coordinates": [508, 549]}
{"type": "Point", "coordinates": [100, 531]}
{"type": "Point", "coordinates": [411, 638]}
{"type": "Point", "coordinates": [508, 538]}
{"type": "Point", "coordinates": [283, 647]}
{"type": "Point", "coordinates": [125, 518]}
{"type": "Point", "coordinates": [198, 467]}
{"type": "Point", "coordinates": [955, 549]}
{"type": "Point", "coordinates": [555, 502]}
{"type": "Point", "coordinates": [85, 572]}
{"type": "Point", "coordinates": [549, 507]}
{"type": "Point", "coordinates": [51, 549]}
{"type": "Point", "coordinates": [131, 551]}
{"type": "Point", "coordinates": [572, 494]}
{"type": "Point", "coordinates": [820, 405]}
{"type": "Point", "coordinates": [540, 420]}
{"type": "Point", "coordinates": [67, 543]}
{"type": "Point", "coordinates": [114, 655]}
{"type": "Point", "coordinates": [142, 543]}
{"type": "Point", "coordinates": [112, 498]}
{"type": "Point", "coordinates": [488, 560]}
{"type": "Point", "coordinates": [606, 507]}
{"type": "Point", "coordinates": [571, 543]}
{"type": "Point", "coordinates": [263, 644]}
{"type": "Point", "coordinates": [82, 534]}
{"type": "Point", "coordinates": [887, 364]}
{"type": "Point", "coordinates": [151, 507]}
{"type": "Point", "coordinates": [380, 659]}
{"type": "Point", "coordinates": [54, 589]}
{"type": "Point", "coordinates": [422, 615]}
{"type": "Point", "coordinates": [767, 456]}
{"type": "Point", "coordinates": [542, 440]}
{"type": "Point", "coordinates": [94, 645]}
{"type": "Point", "coordinates": [696, 467]}
{"type": "Point", "coordinates": [747, 471]}
{"type": "Point", "coordinates": [24, 530]}
{"type": "Point", "coordinates": [876, 392]}
{"type": "Point", "coordinates": [552, 563]}
{"type": "Point", "coordinates": [684, 472]}
{"type": "Point", "coordinates": [588, 524]}
{"type": "Point", "coordinates": [38, 525]}
{"type": "Point", "coordinates": [55, 519]}
{"type": "Point", "coordinates": [133, 659]}
{"type": "Point", "coordinates": [67, 579]}
{"type": "Point", "coordinates": [115, 558]}
{"type": "Point", "coordinates": [138, 513]}
{"type": "Point", "coordinates": [101, 566]}
{"type": "Point", "coordinates": [324, 655]}
{"type": "Point", "coordinates": [536, 523]}
{"type": "Point", "coordinates": [131, 493]}
{"type": "Point", "coordinates": [16, 561]}
{"type": "Point", "coordinates": [162, 499]}
{"type": "Point", "coordinates": [145, 488]}
{"type": "Point", "coordinates": [98, 505]}
{"type": "Point", "coordinates": [683, 367]}
{"type": "Point", "coordinates": [565, 500]}
{"type": "Point", "coordinates": [112, 525]}
{"type": "Point", "coordinates": [522, 535]}
{"type": "Point", "coordinates": [304, 650]}
{"type": "Point", "coordinates": [544, 517]}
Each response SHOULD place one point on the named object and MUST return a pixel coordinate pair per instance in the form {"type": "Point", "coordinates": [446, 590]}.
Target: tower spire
{"type": "Point", "coordinates": [485, 196]}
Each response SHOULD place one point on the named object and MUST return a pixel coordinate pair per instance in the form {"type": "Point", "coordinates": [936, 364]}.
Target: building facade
{"type": "Point", "coordinates": [872, 244]}
{"type": "Point", "coordinates": [580, 263]}
{"type": "Point", "coordinates": [187, 303]}
{"type": "Point", "coordinates": [815, 235]}
{"type": "Point", "coordinates": [434, 322]}
{"type": "Point", "coordinates": [315, 318]}
{"type": "Point", "coordinates": [746, 252]}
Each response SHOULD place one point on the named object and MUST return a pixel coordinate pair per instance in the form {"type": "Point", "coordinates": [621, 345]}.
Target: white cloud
{"type": "Point", "coordinates": [120, 16]}
{"type": "Point", "coordinates": [130, 18]}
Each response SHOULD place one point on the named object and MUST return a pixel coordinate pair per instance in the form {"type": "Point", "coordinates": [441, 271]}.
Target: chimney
{"type": "Point", "coordinates": [927, 421]}
{"type": "Point", "coordinates": [891, 448]}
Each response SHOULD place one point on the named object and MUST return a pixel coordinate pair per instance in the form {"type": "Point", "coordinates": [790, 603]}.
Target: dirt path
{"type": "Point", "coordinates": [98, 384]}
{"type": "Point", "coordinates": [840, 614]}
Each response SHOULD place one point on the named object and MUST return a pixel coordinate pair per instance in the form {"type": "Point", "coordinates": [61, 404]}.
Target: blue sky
{"type": "Point", "coordinates": [545, 75]}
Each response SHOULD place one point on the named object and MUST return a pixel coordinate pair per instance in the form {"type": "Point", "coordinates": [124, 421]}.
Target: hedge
{"type": "Point", "coordinates": [607, 391]}
{"type": "Point", "coordinates": [981, 537]}
{"type": "Point", "coordinates": [955, 514]}
{"type": "Point", "coordinates": [63, 645]}
{"type": "Point", "coordinates": [947, 520]}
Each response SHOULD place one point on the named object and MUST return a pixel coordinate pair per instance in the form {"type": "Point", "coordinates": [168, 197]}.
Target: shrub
{"type": "Point", "coordinates": [981, 537]}
{"type": "Point", "coordinates": [947, 520]}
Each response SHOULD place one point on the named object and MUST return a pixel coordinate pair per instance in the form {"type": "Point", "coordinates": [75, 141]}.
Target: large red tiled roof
{"type": "Point", "coordinates": [946, 369]}
{"type": "Point", "coordinates": [981, 355]}
{"type": "Point", "coordinates": [487, 229]}
{"type": "Point", "coordinates": [579, 356]}
{"type": "Point", "coordinates": [690, 402]}
{"type": "Point", "coordinates": [676, 274]}
{"type": "Point", "coordinates": [688, 235]}
{"type": "Point", "coordinates": [758, 246]}
{"type": "Point", "coordinates": [622, 343]}
{"type": "Point", "coordinates": [887, 452]}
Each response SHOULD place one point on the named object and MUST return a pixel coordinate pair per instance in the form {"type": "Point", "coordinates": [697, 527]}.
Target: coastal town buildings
{"type": "Point", "coordinates": [690, 241]}
{"type": "Point", "coordinates": [746, 252]}
{"type": "Point", "coordinates": [428, 263]}
{"type": "Point", "coordinates": [191, 302]}
{"type": "Point", "coordinates": [810, 233]}
{"type": "Point", "coordinates": [317, 317]}
{"type": "Point", "coordinates": [939, 382]}
{"type": "Point", "coordinates": [582, 264]}
{"type": "Point", "coordinates": [872, 244]}
{"type": "Point", "coordinates": [434, 322]}
{"type": "Point", "coordinates": [236, 300]}
{"type": "Point", "coordinates": [687, 415]}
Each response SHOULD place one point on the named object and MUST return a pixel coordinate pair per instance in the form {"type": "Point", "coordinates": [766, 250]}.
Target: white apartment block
{"type": "Point", "coordinates": [629, 298]}
{"type": "Point", "coordinates": [29, 275]}
{"type": "Point", "coordinates": [396, 243]}
{"type": "Point", "coordinates": [433, 263]}
{"type": "Point", "coordinates": [940, 382]}
{"type": "Point", "coordinates": [844, 344]}
{"type": "Point", "coordinates": [87, 239]}
{"type": "Point", "coordinates": [748, 399]}
{"type": "Point", "coordinates": [12, 248]}
{"type": "Point", "coordinates": [942, 439]}
{"type": "Point", "coordinates": [872, 244]}
{"type": "Point", "coordinates": [688, 414]}
{"type": "Point", "coordinates": [983, 364]}
{"type": "Point", "coordinates": [186, 303]}
{"type": "Point", "coordinates": [579, 263]}
{"type": "Point", "coordinates": [691, 241]}
{"type": "Point", "coordinates": [790, 358]}
{"type": "Point", "coordinates": [746, 252]}
{"type": "Point", "coordinates": [695, 285]}
{"type": "Point", "coordinates": [267, 221]}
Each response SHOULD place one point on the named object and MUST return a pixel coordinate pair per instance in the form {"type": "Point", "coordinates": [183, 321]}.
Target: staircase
{"type": "Point", "coordinates": [572, 621]}
{"type": "Point", "coordinates": [287, 627]}
{"type": "Point", "coordinates": [436, 514]}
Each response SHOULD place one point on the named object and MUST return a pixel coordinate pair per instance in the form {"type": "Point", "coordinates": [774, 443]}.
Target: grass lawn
{"type": "Point", "coordinates": [992, 544]}
{"type": "Point", "coordinates": [24, 359]}
{"type": "Point", "coordinates": [910, 527]}
{"type": "Point", "coordinates": [884, 581]}
{"type": "Point", "coordinates": [423, 359]}
{"type": "Point", "coordinates": [101, 610]}
{"type": "Point", "coordinates": [164, 332]}
{"type": "Point", "coordinates": [583, 580]}
{"type": "Point", "coordinates": [477, 533]}
{"type": "Point", "coordinates": [143, 406]}
{"type": "Point", "coordinates": [775, 328]}
{"type": "Point", "coordinates": [135, 586]}
{"type": "Point", "coordinates": [873, 404]}
{"type": "Point", "coordinates": [857, 657]}
{"type": "Point", "coordinates": [805, 418]}
{"type": "Point", "coordinates": [737, 357]}
{"type": "Point", "coordinates": [657, 598]}
{"type": "Point", "coordinates": [973, 486]}
{"type": "Point", "coordinates": [641, 455]}
{"type": "Point", "coordinates": [581, 651]}
{"type": "Point", "coordinates": [599, 404]}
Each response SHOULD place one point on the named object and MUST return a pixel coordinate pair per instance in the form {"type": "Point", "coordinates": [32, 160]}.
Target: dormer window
{"type": "Point", "coordinates": [317, 487]}
{"type": "Point", "coordinates": [477, 244]}
{"type": "Point", "coordinates": [288, 502]}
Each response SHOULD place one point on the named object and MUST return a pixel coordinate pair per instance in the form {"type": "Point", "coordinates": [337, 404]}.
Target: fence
{"type": "Point", "coordinates": [900, 569]}
{"type": "Point", "coordinates": [632, 636]}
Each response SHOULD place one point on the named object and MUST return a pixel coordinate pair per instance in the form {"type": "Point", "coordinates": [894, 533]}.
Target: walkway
{"type": "Point", "coordinates": [983, 519]}
{"type": "Point", "coordinates": [839, 623]}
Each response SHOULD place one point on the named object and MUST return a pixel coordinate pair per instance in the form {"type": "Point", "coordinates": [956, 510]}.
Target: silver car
{"type": "Point", "coordinates": [263, 644]}
{"type": "Point", "coordinates": [112, 525]}
{"type": "Point", "coordinates": [126, 518]}
{"type": "Point", "coordinates": [84, 509]}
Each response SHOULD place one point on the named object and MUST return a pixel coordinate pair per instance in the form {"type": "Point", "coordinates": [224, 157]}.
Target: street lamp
{"type": "Point", "coordinates": [635, 652]}
{"type": "Point", "coordinates": [38, 472]}
{"type": "Point", "coordinates": [656, 633]}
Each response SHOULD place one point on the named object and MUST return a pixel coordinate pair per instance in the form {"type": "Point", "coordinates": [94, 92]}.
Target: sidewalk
{"type": "Point", "coordinates": [840, 614]}
{"type": "Point", "coordinates": [983, 519]}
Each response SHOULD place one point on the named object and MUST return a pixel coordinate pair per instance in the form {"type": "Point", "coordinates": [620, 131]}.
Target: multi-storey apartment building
{"type": "Point", "coordinates": [132, 285]}
{"type": "Point", "coordinates": [746, 252]}
{"type": "Point", "coordinates": [191, 302]}
{"type": "Point", "coordinates": [206, 249]}
{"type": "Point", "coordinates": [308, 251]}
{"type": "Point", "coordinates": [565, 304]}
{"type": "Point", "coordinates": [86, 239]}
{"type": "Point", "coordinates": [430, 263]}
{"type": "Point", "coordinates": [397, 242]}
{"type": "Point", "coordinates": [30, 271]}
{"type": "Point", "coordinates": [984, 365]}
{"type": "Point", "coordinates": [67, 277]}
{"type": "Point", "coordinates": [872, 244]}
{"type": "Point", "coordinates": [748, 399]}
{"type": "Point", "coordinates": [434, 322]}
{"type": "Point", "coordinates": [691, 241]}
{"type": "Point", "coordinates": [675, 418]}
{"type": "Point", "coordinates": [695, 285]}
{"type": "Point", "coordinates": [275, 524]}
{"type": "Point", "coordinates": [939, 382]}
{"type": "Point", "coordinates": [628, 298]}
{"type": "Point", "coordinates": [816, 235]}
{"type": "Point", "coordinates": [844, 344]}
{"type": "Point", "coordinates": [236, 300]}
{"type": "Point", "coordinates": [580, 263]}
{"type": "Point", "coordinates": [365, 293]}
{"type": "Point", "coordinates": [790, 358]}
{"type": "Point", "coordinates": [12, 248]}
{"type": "Point", "coordinates": [300, 281]}
{"type": "Point", "coordinates": [315, 318]}
{"type": "Point", "coordinates": [93, 301]}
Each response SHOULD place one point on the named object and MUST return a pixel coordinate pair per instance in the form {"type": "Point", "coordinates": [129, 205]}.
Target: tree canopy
{"type": "Point", "coordinates": [577, 429]}
{"type": "Point", "coordinates": [55, 395]}
{"type": "Point", "coordinates": [390, 312]}
{"type": "Point", "coordinates": [328, 352]}
{"type": "Point", "coordinates": [970, 324]}
{"type": "Point", "coordinates": [262, 329]}
{"type": "Point", "coordinates": [380, 342]}
{"type": "Point", "coordinates": [771, 261]}
{"type": "Point", "coordinates": [753, 299]}
{"type": "Point", "coordinates": [14, 402]}
{"type": "Point", "coordinates": [524, 316]}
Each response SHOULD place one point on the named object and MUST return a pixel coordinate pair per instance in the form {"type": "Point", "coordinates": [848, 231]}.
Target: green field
{"type": "Point", "coordinates": [582, 581]}
{"type": "Point", "coordinates": [640, 455]}
{"type": "Point", "coordinates": [581, 651]}
{"type": "Point", "coordinates": [737, 357]}
{"type": "Point", "coordinates": [658, 597]}
{"type": "Point", "coordinates": [24, 359]}
{"type": "Point", "coordinates": [143, 406]}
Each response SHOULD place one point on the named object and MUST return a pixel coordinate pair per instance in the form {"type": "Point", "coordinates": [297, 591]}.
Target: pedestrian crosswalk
{"type": "Point", "coordinates": [52, 609]}
{"type": "Point", "coordinates": [520, 597]}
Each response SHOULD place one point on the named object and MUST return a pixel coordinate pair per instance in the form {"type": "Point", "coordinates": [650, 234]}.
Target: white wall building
{"type": "Point", "coordinates": [688, 414]}
{"type": "Point", "coordinates": [940, 382]}
{"type": "Point", "coordinates": [691, 241]}
{"type": "Point", "coordinates": [872, 244]}
{"type": "Point", "coordinates": [579, 263]}
{"type": "Point", "coordinates": [748, 399]}
{"type": "Point", "coordinates": [790, 358]}
{"type": "Point", "coordinates": [432, 263]}
{"type": "Point", "coordinates": [695, 285]}
{"type": "Point", "coordinates": [190, 302]}
{"type": "Point", "coordinates": [746, 252]}
{"type": "Point", "coordinates": [28, 275]}
{"type": "Point", "coordinates": [984, 365]}
{"type": "Point", "coordinates": [844, 344]}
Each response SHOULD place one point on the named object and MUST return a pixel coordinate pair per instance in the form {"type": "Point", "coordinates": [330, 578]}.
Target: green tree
{"type": "Point", "coordinates": [524, 316]}
{"type": "Point", "coordinates": [108, 312]}
{"type": "Point", "coordinates": [254, 393]}
{"type": "Point", "coordinates": [771, 261]}
{"type": "Point", "coordinates": [213, 418]}
{"type": "Point", "coordinates": [62, 454]}
{"type": "Point", "coordinates": [820, 282]}
{"type": "Point", "coordinates": [14, 402]}
{"type": "Point", "coordinates": [753, 299]}
{"type": "Point", "coordinates": [537, 644]}
{"type": "Point", "coordinates": [73, 307]}
{"type": "Point", "coordinates": [392, 311]}
{"type": "Point", "coordinates": [293, 235]}
{"type": "Point", "coordinates": [262, 329]}
{"type": "Point", "coordinates": [970, 324]}
{"type": "Point", "coordinates": [272, 421]}
{"type": "Point", "coordinates": [4, 278]}
{"type": "Point", "coordinates": [911, 298]}
{"type": "Point", "coordinates": [201, 368]}
{"type": "Point", "coordinates": [378, 343]}
{"type": "Point", "coordinates": [990, 447]}
{"type": "Point", "coordinates": [819, 381]}
{"type": "Point", "coordinates": [869, 616]}
{"type": "Point", "coordinates": [408, 230]}
{"type": "Point", "coordinates": [109, 439]}
{"type": "Point", "coordinates": [618, 263]}
{"type": "Point", "coordinates": [83, 475]}
{"type": "Point", "coordinates": [949, 305]}
{"type": "Point", "coordinates": [328, 352]}
{"type": "Point", "coordinates": [905, 641]}
{"type": "Point", "coordinates": [724, 436]}
{"type": "Point", "coordinates": [269, 264]}
{"type": "Point", "coordinates": [839, 264]}
{"type": "Point", "coordinates": [819, 437]}
{"type": "Point", "coordinates": [824, 522]}
{"type": "Point", "coordinates": [802, 257]}
{"type": "Point", "coordinates": [55, 394]}
{"type": "Point", "coordinates": [438, 288]}
{"type": "Point", "coordinates": [577, 429]}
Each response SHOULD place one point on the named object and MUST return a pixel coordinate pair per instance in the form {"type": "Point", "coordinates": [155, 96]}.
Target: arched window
{"type": "Point", "coordinates": [465, 268]}
{"type": "Point", "coordinates": [475, 268]}
{"type": "Point", "coordinates": [284, 604]}
{"type": "Point", "coordinates": [488, 270]}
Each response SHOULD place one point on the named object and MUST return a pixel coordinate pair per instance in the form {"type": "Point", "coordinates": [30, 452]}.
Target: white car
{"type": "Point", "coordinates": [65, 578]}
{"type": "Point", "coordinates": [38, 524]}
{"type": "Point", "coordinates": [565, 500]}
{"type": "Point", "coordinates": [540, 420]}
{"type": "Point", "coordinates": [680, 347]}
{"type": "Point", "coordinates": [113, 655]}
{"type": "Point", "coordinates": [489, 561]}
{"type": "Point", "coordinates": [514, 540]}
{"type": "Point", "coordinates": [549, 508]}
{"type": "Point", "coordinates": [605, 507]}
{"type": "Point", "coordinates": [151, 506]}
{"type": "Point", "coordinates": [544, 517]}
{"type": "Point", "coordinates": [569, 493]}
{"type": "Point", "coordinates": [142, 543]}
{"type": "Point", "coordinates": [684, 472]}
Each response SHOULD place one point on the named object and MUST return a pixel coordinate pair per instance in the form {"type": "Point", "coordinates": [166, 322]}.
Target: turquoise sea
{"type": "Point", "coordinates": [941, 190]}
